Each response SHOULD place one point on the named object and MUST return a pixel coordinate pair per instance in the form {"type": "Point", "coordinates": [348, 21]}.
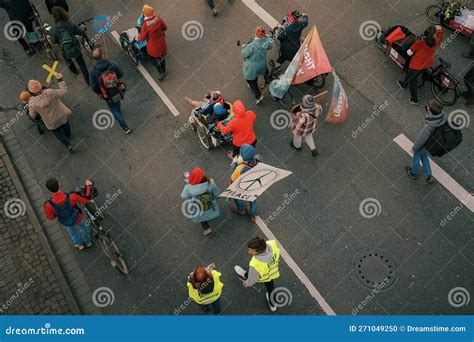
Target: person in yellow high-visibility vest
{"type": "Point", "coordinates": [263, 266]}
{"type": "Point", "coordinates": [205, 288]}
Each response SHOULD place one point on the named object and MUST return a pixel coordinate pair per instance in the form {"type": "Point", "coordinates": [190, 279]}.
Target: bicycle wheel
{"type": "Point", "coordinates": [203, 138]}
{"type": "Point", "coordinates": [131, 54]}
{"type": "Point", "coordinates": [445, 90]}
{"type": "Point", "coordinates": [111, 250]}
{"type": "Point", "coordinates": [433, 14]}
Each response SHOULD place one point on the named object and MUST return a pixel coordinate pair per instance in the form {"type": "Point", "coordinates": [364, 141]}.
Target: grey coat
{"type": "Point", "coordinates": [432, 122]}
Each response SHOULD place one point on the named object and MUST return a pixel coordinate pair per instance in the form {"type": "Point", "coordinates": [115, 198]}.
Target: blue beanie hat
{"type": "Point", "coordinates": [219, 109]}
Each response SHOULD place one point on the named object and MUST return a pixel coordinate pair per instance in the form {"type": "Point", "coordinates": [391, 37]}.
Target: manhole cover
{"type": "Point", "coordinates": [374, 268]}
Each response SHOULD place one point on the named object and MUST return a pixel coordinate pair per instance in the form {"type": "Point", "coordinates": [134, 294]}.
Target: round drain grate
{"type": "Point", "coordinates": [375, 269]}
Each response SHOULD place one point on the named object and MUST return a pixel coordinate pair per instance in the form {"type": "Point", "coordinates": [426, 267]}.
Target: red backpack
{"type": "Point", "coordinates": [111, 89]}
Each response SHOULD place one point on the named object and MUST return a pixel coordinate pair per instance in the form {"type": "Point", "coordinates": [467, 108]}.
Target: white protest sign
{"type": "Point", "coordinates": [251, 184]}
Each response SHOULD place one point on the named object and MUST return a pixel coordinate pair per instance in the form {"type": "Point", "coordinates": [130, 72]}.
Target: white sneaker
{"type": "Point", "coordinates": [272, 308]}
{"type": "Point", "coordinates": [260, 99]}
{"type": "Point", "coordinates": [240, 271]}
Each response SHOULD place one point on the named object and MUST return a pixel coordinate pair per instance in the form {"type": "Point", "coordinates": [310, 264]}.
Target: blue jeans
{"type": "Point", "coordinates": [85, 237]}
{"type": "Point", "coordinates": [472, 45]}
{"type": "Point", "coordinates": [423, 156]}
{"type": "Point", "coordinates": [241, 206]}
{"type": "Point", "coordinates": [115, 109]}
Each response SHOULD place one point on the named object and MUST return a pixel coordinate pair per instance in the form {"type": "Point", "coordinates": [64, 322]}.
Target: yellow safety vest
{"type": "Point", "coordinates": [209, 298]}
{"type": "Point", "coordinates": [267, 271]}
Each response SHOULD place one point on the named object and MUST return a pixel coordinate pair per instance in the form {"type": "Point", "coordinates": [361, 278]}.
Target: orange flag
{"type": "Point", "coordinates": [313, 58]}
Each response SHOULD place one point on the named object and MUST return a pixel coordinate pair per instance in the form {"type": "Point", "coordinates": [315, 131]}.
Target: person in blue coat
{"type": "Point", "coordinates": [200, 195]}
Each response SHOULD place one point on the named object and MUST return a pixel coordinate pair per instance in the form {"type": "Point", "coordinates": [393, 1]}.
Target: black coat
{"type": "Point", "coordinates": [290, 38]}
{"type": "Point", "coordinates": [18, 10]}
{"type": "Point", "coordinates": [61, 3]}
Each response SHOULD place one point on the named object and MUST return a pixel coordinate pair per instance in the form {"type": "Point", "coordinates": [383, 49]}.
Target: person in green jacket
{"type": "Point", "coordinates": [254, 54]}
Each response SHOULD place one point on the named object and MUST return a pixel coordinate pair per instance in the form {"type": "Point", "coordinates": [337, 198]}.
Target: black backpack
{"type": "Point", "coordinates": [443, 139]}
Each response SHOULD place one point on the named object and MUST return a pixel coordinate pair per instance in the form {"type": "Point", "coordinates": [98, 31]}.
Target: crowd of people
{"type": "Point", "coordinates": [104, 78]}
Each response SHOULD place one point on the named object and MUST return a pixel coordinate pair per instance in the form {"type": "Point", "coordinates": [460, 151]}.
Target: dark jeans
{"type": "Point", "coordinates": [411, 80]}
{"type": "Point", "coordinates": [472, 45]}
{"type": "Point", "coordinates": [115, 109]}
{"type": "Point", "coordinates": [159, 64]}
{"type": "Point", "coordinates": [29, 28]}
{"type": "Point", "coordinates": [253, 84]}
{"type": "Point", "coordinates": [216, 306]}
{"type": "Point", "coordinates": [211, 4]}
{"type": "Point", "coordinates": [469, 81]}
{"type": "Point", "coordinates": [236, 149]}
{"type": "Point", "coordinates": [82, 65]}
{"type": "Point", "coordinates": [205, 225]}
{"type": "Point", "coordinates": [270, 285]}
{"type": "Point", "coordinates": [63, 133]}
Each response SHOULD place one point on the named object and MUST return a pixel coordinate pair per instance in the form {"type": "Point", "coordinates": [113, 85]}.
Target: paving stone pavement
{"type": "Point", "coordinates": [33, 254]}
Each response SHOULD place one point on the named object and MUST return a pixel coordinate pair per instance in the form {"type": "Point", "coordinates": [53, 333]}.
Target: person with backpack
{"type": "Point", "coordinates": [64, 32]}
{"type": "Point", "coordinates": [62, 206]}
{"type": "Point", "coordinates": [422, 54]}
{"type": "Point", "coordinates": [254, 54]}
{"type": "Point", "coordinates": [104, 79]}
{"type": "Point", "coordinates": [241, 164]}
{"type": "Point", "coordinates": [46, 103]}
{"type": "Point", "coordinates": [153, 30]}
{"type": "Point", "coordinates": [434, 119]}
{"type": "Point", "coordinates": [201, 194]}
{"type": "Point", "coordinates": [263, 267]}
{"type": "Point", "coordinates": [304, 124]}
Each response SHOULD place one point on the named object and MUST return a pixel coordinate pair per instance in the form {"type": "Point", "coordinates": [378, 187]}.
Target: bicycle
{"type": "Point", "coordinates": [444, 86]}
{"type": "Point", "coordinates": [445, 14]}
{"type": "Point", "coordinates": [94, 218]}
{"type": "Point", "coordinates": [84, 39]}
{"type": "Point", "coordinates": [42, 33]}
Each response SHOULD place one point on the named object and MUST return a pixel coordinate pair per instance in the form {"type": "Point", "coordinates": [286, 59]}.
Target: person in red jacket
{"type": "Point", "coordinates": [241, 127]}
{"type": "Point", "coordinates": [152, 30]}
{"type": "Point", "coordinates": [422, 54]}
{"type": "Point", "coordinates": [62, 206]}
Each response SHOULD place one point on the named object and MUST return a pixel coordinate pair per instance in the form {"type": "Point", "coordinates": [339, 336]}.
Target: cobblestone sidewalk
{"type": "Point", "coordinates": [31, 282]}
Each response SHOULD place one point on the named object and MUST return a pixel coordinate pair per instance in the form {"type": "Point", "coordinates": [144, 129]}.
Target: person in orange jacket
{"type": "Point", "coordinates": [241, 127]}
{"type": "Point", "coordinates": [152, 30]}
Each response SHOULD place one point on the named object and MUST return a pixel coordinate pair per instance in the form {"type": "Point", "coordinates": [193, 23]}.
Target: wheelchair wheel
{"type": "Point", "coordinates": [131, 54]}
{"type": "Point", "coordinates": [203, 138]}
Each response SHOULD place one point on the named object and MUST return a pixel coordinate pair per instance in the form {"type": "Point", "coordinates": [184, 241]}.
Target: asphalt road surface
{"type": "Point", "coordinates": [322, 227]}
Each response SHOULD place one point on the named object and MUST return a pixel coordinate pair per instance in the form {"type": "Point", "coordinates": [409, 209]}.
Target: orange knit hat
{"type": "Point", "coordinates": [25, 96]}
{"type": "Point", "coordinates": [148, 11]}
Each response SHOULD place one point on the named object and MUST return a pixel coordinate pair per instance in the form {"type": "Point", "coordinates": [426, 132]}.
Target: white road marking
{"type": "Point", "coordinates": [443, 178]}
{"type": "Point", "coordinates": [270, 21]}
{"type": "Point", "coordinates": [151, 81]}
{"type": "Point", "coordinates": [295, 268]}
{"type": "Point", "coordinates": [261, 13]}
